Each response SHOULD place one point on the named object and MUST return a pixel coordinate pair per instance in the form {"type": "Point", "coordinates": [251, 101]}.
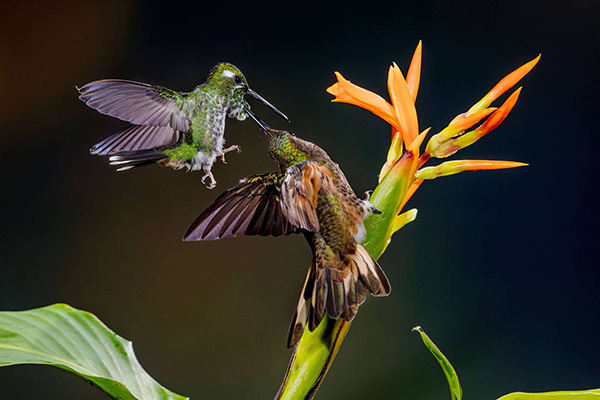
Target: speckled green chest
{"type": "Point", "coordinates": [208, 118]}
{"type": "Point", "coordinates": [207, 109]}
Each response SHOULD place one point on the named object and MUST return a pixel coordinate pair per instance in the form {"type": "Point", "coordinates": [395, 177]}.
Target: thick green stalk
{"type": "Point", "coordinates": [314, 354]}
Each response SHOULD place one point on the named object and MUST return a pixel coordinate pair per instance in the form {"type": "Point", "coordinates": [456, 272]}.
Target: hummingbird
{"type": "Point", "coordinates": [310, 195]}
{"type": "Point", "coordinates": [173, 129]}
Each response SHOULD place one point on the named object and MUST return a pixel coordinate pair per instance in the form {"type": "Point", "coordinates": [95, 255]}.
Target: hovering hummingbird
{"type": "Point", "coordinates": [309, 195]}
{"type": "Point", "coordinates": [174, 129]}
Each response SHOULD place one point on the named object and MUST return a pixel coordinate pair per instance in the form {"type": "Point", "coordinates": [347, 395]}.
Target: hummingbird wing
{"type": "Point", "coordinates": [300, 192]}
{"type": "Point", "coordinates": [251, 208]}
{"type": "Point", "coordinates": [136, 137]}
{"type": "Point", "coordinates": [137, 103]}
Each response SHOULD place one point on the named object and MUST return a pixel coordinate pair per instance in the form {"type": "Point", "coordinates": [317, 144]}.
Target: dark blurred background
{"type": "Point", "coordinates": [500, 268]}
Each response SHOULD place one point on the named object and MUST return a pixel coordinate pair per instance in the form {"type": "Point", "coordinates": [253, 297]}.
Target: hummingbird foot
{"type": "Point", "coordinates": [227, 150]}
{"type": "Point", "coordinates": [368, 194]}
{"type": "Point", "coordinates": [211, 179]}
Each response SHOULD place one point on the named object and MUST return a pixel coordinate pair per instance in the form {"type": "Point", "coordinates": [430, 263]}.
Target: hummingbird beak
{"type": "Point", "coordinates": [258, 121]}
{"type": "Point", "coordinates": [266, 103]}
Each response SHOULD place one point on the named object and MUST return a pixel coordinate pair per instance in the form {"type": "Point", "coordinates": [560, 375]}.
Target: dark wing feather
{"type": "Point", "coordinates": [136, 137]}
{"type": "Point", "coordinates": [251, 208]}
{"type": "Point", "coordinates": [137, 103]}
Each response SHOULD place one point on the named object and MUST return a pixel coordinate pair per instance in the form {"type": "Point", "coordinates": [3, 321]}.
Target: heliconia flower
{"type": "Point", "coordinates": [402, 174]}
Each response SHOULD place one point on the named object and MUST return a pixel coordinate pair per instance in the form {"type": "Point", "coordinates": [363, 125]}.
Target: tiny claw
{"type": "Point", "coordinates": [227, 150]}
{"type": "Point", "coordinates": [212, 182]}
{"type": "Point", "coordinates": [375, 211]}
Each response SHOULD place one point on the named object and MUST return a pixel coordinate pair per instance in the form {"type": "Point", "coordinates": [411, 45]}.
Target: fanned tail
{"type": "Point", "coordinates": [337, 288]}
{"type": "Point", "coordinates": [130, 159]}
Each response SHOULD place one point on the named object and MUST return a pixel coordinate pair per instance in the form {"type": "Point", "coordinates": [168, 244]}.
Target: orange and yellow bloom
{"type": "Point", "coordinates": [401, 175]}
{"type": "Point", "coordinates": [403, 171]}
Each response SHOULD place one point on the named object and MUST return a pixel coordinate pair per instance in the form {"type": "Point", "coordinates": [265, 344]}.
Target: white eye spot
{"type": "Point", "coordinates": [228, 74]}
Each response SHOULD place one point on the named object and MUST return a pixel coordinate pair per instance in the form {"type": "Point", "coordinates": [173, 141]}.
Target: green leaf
{"type": "Point", "coordinates": [593, 394]}
{"type": "Point", "coordinates": [451, 376]}
{"type": "Point", "coordinates": [78, 342]}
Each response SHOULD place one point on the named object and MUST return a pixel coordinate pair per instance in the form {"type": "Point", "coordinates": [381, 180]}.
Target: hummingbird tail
{"type": "Point", "coordinates": [336, 288]}
{"type": "Point", "coordinates": [130, 159]}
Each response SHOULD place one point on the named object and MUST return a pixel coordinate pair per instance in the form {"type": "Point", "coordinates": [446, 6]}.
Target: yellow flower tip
{"type": "Point", "coordinates": [401, 220]}
{"type": "Point", "coordinates": [339, 76]}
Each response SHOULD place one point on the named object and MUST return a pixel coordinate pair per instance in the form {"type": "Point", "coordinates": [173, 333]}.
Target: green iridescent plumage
{"type": "Point", "coordinates": [173, 129]}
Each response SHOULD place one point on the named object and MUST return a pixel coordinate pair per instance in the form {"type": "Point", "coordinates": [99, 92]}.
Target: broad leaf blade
{"type": "Point", "coordinates": [451, 376]}
{"type": "Point", "coordinates": [593, 394]}
{"type": "Point", "coordinates": [77, 341]}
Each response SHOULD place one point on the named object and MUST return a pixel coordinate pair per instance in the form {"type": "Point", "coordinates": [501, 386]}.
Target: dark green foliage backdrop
{"type": "Point", "coordinates": [499, 267]}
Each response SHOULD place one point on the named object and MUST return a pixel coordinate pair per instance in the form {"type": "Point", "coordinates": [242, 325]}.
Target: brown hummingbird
{"type": "Point", "coordinates": [309, 195]}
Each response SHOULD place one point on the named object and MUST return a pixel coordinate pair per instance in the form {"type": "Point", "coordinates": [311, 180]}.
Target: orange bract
{"type": "Point", "coordinates": [404, 106]}
{"type": "Point", "coordinates": [401, 114]}
{"type": "Point", "coordinates": [347, 92]}
{"type": "Point", "coordinates": [505, 83]}
{"type": "Point", "coordinates": [403, 160]}
{"type": "Point", "coordinates": [413, 76]}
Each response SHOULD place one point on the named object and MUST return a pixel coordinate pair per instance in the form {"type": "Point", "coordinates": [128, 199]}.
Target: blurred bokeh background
{"type": "Point", "coordinates": [500, 268]}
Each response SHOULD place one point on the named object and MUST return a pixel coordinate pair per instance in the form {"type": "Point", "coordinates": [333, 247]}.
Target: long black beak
{"type": "Point", "coordinates": [266, 103]}
{"type": "Point", "coordinates": [258, 121]}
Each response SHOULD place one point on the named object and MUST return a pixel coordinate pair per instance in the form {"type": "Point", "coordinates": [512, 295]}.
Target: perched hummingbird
{"type": "Point", "coordinates": [173, 129]}
{"type": "Point", "coordinates": [309, 195]}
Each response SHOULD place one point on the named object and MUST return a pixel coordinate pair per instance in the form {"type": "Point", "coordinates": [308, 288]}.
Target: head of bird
{"type": "Point", "coordinates": [229, 81]}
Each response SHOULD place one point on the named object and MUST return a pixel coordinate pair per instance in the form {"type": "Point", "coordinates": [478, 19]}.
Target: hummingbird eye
{"type": "Point", "coordinates": [237, 79]}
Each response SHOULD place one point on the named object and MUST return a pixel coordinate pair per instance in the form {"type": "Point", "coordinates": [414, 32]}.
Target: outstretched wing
{"type": "Point", "coordinates": [136, 137]}
{"type": "Point", "coordinates": [251, 208]}
{"type": "Point", "coordinates": [300, 192]}
{"type": "Point", "coordinates": [137, 103]}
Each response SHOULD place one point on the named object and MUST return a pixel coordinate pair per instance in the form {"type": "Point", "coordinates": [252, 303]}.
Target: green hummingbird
{"type": "Point", "coordinates": [174, 129]}
{"type": "Point", "coordinates": [309, 195]}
